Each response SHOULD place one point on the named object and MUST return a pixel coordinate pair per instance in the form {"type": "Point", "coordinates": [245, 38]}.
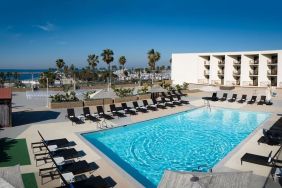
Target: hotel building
{"type": "Point", "coordinates": [253, 68]}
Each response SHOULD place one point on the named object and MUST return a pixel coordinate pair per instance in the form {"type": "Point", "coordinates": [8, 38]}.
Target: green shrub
{"type": "Point", "coordinates": [67, 97]}
{"type": "Point", "coordinates": [87, 94]}
{"type": "Point", "coordinates": [123, 92]}
{"type": "Point", "coordinates": [185, 85]}
{"type": "Point", "coordinates": [143, 90]}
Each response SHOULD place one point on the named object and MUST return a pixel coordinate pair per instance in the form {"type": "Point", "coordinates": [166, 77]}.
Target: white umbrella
{"type": "Point", "coordinates": [209, 89]}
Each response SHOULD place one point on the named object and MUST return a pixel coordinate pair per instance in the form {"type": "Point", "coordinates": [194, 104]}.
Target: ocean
{"type": "Point", "coordinates": [25, 74]}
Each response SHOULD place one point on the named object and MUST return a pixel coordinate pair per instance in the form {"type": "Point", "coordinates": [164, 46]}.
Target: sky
{"type": "Point", "coordinates": [33, 34]}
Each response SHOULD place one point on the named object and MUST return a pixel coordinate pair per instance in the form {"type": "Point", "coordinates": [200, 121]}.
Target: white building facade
{"type": "Point", "coordinates": [253, 68]}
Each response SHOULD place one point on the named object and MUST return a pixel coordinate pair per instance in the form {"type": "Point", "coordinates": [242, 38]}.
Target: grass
{"type": "Point", "coordinates": [29, 180]}
{"type": "Point", "coordinates": [13, 152]}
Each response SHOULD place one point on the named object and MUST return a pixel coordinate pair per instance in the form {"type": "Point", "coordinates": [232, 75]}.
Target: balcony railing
{"type": "Point", "coordinates": [220, 72]}
{"type": "Point", "coordinates": [254, 62]}
{"type": "Point", "coordinates": [207, 63]}
{"type": "Point", "coordinates": [237, 62]}
{"type": "Point", "coordinates": [273, 61]}
{"type": "Point", "coordinates": [221, 62]}
{"type": "Point", "coordinates": [272, 72]}
{"type": "Point", "coordinates": [253, 73]}
{"type": "Point", "coordinates": [206, 72]}
{"type": "Point", "coordinates": [236, 72]}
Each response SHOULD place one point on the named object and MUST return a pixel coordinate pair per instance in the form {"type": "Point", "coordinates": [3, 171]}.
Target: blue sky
{"type": "Point", "coordinates": [33, 34]}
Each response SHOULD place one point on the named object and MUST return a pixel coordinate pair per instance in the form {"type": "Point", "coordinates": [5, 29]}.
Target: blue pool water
{"type": "Point", "coordinates": [187, 141]}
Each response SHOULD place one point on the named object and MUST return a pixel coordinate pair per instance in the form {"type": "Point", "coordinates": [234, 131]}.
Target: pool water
{"type": "Point", "coordinates": [194, 140]}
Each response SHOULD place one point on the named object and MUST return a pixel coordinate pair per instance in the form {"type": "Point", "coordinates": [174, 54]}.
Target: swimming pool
{"type": "Point", "coordinates": [192, 140]}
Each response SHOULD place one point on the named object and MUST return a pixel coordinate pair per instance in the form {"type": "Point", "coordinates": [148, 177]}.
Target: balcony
{"type": "Point", "coordinates": [236, 63]}
{"type": "Point", "coordinates": [272, 63]}
{"type": "Point", "coordinates": [253, 73]}
{"type": "Point", "coordinates": [206, 72]}
{"type": "Point", "coordinates": [220, 72]}
{"type": "Point", "coordinates": [272, 73]}
{"type": "Point", "coordinates": [207, 63]}
{"type": "Point", "coordinates": [221, 63]}
{"type": "Point", "coordinates": [254, 62]}
{"type": "Point", "coordinates": [236, 73]}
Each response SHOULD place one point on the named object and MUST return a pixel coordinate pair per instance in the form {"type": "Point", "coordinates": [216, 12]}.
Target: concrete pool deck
{"type": "Point", "coordinates": [59, 127]}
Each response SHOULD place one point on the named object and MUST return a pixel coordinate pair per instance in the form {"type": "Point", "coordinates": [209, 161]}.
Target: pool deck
{"type": "Point", "coordinates": [59, 127]}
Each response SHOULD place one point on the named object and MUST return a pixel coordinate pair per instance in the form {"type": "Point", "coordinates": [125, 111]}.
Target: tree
{"type": "Point", "coordinates": [107, 55]}
{"type": "Point", "coordinates": [60, 64]}
{"type": "Point", "coordinates": [153, 57]}
{"type": "Point", "coordinates": [93, 60]}
{"type": "Point", "coordinates": [122, 61]}
{"type": "Point", "coordinates": [16, 76]}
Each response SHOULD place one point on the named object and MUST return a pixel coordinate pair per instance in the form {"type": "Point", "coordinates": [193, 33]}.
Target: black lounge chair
{"type": "Point", "coordinates": [176, 102]}
{"type": "Point", "coordinates": [182, 101]}
{"type": "Point", "coordinates": [88, 116]}
{"type": "Point", "coordinates": [165, 95]}
{"type": "Point", "coordinates": [277, 125]}
{"type": "Point", "coordinates": [258, 159]}
{"type": "Point", "coordinates": [159, 104]}
{"type": "Point", "coordinates": [102, 114]}
{"type": "Point", "coordinates": [181, 94]}
{"type": "Point", "coordinates": [243, 99]}
{"type": "Point", "coordinates": [212, 98]}
{"type": "Point", "coordinates": [262, 100]}
{"type": "Point", "coordinates": [167, 103]}
{"type": "Point", "coordinates": [78, 167]}
{"type": "Point", "coordinates": [128, 110]}
{"type": "Point", "coordinates": [71, 116]}
{"type": "Point", "coordinates": [67, 154]}
{"type": "Point", "coordinates": [139, 108]}
{"type": "Point", "coordinates": [60, 143]}
{"type": "Point", "coordinates": [233, 98]}
{"type": "Point", "coordinates": [253, 100]}
{"type": "Point", "coordinates": [224, 97]}
{"type": "Point", "coordinates": [117, 112]}
{"type": "Point", "coordinates": [91, 182]}
{"type": "Point", "coordinates": [271, 137]}
{"type": "Point", "coordinates": [171, 94]}
{"type": "Point", "coordinates": [150, 106]}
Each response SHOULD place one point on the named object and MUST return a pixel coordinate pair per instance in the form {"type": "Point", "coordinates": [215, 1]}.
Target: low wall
{"type": "Point", "coordinates": [14, 89]}
{"type": "Point", "coordinates": [126, 99]}
{"type": "Point", "coordinates": [97, 102]}
{"type": "Point", "coordinates": [145, 96]}
{"type": "Point", "coordinates": [56, 105]}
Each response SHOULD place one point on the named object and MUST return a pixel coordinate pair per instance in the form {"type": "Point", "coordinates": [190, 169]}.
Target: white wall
{"type": "Point", "coordinates": [184, 68]}
{"type": "Point", "coordinates": [262, 71]}
{"type": "Point", "coordinates": [245, 68]}
{"type": "Point", "coordinates": [228, 70]}
{"type": "Point", "coordinates": [213, 69]}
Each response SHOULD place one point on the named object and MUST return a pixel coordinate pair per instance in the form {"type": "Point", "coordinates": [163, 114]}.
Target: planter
{"type": "Point", "coordinates": [126, 99]}
{"type": "Point", "coordinates": [97, 102]}
{"type": "Point", "coordinates": [144, 96]}
{"type": "Point", "coordinates": [14, 89]}
{"type": "Point", "coordinates": [56, 105]}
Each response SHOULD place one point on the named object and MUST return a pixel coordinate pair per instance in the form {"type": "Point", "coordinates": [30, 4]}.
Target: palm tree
{"type": "Point", "coordinates": [93, 60]}
{"type": "Point", "coordinates": [60, 64]}
{"type": "Point", "coordinates": [153, 57]}
{"type": "Point", "coordinates": [16, 76]}
{"type": "Point", "coordinates": [107, 55]}
{"type": "Point", "coordinates": [122, 61]}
